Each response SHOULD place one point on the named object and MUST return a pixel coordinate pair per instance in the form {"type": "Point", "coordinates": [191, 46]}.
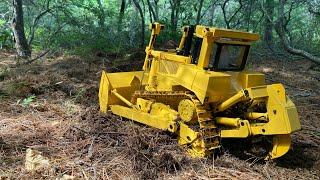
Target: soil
{"type": "Point", "coordinates": [52, 106]}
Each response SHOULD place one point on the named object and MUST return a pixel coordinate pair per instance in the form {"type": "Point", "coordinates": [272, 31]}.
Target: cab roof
{"type": "Point", "coordinates": [217, 33]}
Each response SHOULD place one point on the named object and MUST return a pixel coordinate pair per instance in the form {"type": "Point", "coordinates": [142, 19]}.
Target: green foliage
{"type": "Point", "coordinates": [87, 26]}
{"type": "Point", "coordinates": [5, 36]}
{"type": "Point", "coordinates": [80, 94]}
{"type": "Point", "coordinates": [28, 100]}
{"type": "Point", "coordinates": [2, 22]}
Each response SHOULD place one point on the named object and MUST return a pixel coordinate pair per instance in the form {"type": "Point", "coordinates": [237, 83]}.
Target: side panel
{"type": "Point", "coordinates": [215, 85]}
{"type": "Point", "coordinates": [185, 75]}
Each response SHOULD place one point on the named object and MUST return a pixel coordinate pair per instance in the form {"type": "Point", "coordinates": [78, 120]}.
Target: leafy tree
{"type": "Point", "coordinates": [87, 26]}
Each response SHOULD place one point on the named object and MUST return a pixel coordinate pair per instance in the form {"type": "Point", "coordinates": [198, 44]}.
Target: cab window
{"type": "Point", "coordinates": [229, 57]}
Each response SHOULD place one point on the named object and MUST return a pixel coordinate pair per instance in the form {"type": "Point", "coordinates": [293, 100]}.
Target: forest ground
{"type": "Point", "coordinates": [63, 122]}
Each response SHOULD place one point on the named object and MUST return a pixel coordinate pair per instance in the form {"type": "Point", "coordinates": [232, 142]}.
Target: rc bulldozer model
{"type": "Point", "coordinates": [202, 93]}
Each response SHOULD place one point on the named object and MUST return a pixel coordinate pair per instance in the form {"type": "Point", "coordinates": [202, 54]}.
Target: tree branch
{"type": "Point", "coordinates": [265, 12]}
{"type": "Point", "coordinates": [36, 20]}
{"type": "Point", "coordinates": [155, 18]}
{"type": "Point", "coordinates": [228, 21]}
{"type": "Point", "coordinates": [281, 32]}
{"type": "Point", "coordinates": [314, 12]}
{"type": "Point", "coordinates": [240, 7]}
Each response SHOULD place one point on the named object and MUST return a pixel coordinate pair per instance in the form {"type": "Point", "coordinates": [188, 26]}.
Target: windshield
{"type": "Point", "coordinates": [229, 57]}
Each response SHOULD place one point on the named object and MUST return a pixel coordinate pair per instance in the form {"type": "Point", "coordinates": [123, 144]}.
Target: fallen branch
{"type": "Point", "coordinates": [38, 57]}
{"type": "Point", "coordinates": [295, 51]}
{"type": "Point", "coordinates": [280, 29]}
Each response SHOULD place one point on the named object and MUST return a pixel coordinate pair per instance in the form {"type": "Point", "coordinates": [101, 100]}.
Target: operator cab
{"type": "Point", "coordinates": [229, 50]}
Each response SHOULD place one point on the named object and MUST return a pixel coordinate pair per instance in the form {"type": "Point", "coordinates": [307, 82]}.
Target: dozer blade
{"type": "Point", "coordinates": [125, 83]}
{"type": "Point", "coordinates": [104, 91]}
{"type": "Point", "coordinates": [281, 145]}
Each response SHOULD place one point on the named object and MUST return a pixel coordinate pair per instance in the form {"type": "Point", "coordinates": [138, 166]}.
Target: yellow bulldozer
{"type": "Point", "coordinates": [202, 92]}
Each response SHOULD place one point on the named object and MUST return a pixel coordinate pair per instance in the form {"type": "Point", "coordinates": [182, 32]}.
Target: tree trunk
{"type": "Point", "coordinates": [268, 23]}
{"type": "Point", "coordinates": [101, 16]}
{"type": "Point", "coordinates": [175, 7]}
{"type": "Point", "coordinates": [152, 12]}
{"type": "Point", "coordinates": [212, 11]}
{"type": "Point", "coordinates": [176, 19]}
{"type": "Point", "coordinates": [21, 43]}
{"type": "Point", "coordinates": [156, 8]}
{"type": "Point", "coordinates": [199, 12]}
{"type": "Point", "coordinates": [136, 3]}
{"type": "Point", "coordinates": [248, 12]}
{"type": "Point", "coordinates": [121, 14]}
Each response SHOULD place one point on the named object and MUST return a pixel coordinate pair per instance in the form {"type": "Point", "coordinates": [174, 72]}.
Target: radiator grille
{"type": "Point", "coordinates": [168, 67]}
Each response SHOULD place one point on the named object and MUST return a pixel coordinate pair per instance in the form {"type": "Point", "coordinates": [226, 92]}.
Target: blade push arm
{"type": "Point", "coordinates": [156, 28]}
{"type": "Point", "coordinates": [185, 31]}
